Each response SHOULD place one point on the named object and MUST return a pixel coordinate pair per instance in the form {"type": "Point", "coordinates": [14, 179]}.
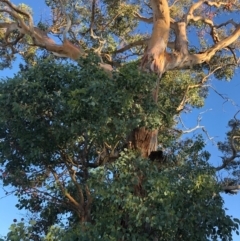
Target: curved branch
{"type": "Point", "coordinates": [64, 190]}
{"type": "Point", "coordinates": [39, 37]}
{"type": "Point", "coordinates": [179, 61]}
{"type": "Point", "coordinates": [226, 23]}
{"type": "Point", "coordinates": [131, 45]}
{"type": "Point", "coordinates": [144, 19]}
{"type": "Point", "coordinates": [190, 15]}
{"type": "Point", "coordinates": [234, 155]}
{"type": "Point", "coordinates": [203, 19]}
{"type": "Point", "coordinates": [17, 10]}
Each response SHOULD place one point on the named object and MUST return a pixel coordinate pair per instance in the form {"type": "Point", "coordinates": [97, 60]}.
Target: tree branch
{"type": "Point", "coordinates": [154, 57]}
{"type": "Point", "coordinates": [178, 61]}
{"type": "Point", "coordinates": [198, 85]}
{"type": "Point", "coordinates": [190, 15]}
{"type": "Point", "coordinates": [21, 12]}
{"type": "Point", "coordinates": [144, 19]}
{"type": "Point", "coordinates": [227, 161]}
{"type": "Point", "coordinates": [131, 45]}
{"type": "Point", "coordinates": [231, 189]}
{"type": "Point", "coordinates": [64, 191]}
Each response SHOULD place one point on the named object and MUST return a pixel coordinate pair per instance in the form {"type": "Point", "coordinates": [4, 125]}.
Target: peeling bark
{"type": "Point", "coordinates": [155, 57]}
{"type": "Point", "coordinates": [144, 140]}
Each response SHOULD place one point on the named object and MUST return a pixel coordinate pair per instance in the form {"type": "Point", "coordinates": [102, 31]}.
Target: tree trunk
{"type": "Point", "coordinates": [144, 140]}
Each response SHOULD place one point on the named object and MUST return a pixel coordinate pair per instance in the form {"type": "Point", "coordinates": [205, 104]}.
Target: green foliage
{"type": "Point", "coordinates": [52, 109]}
{"type": "Point", "coordinates": [146, 201]}
{"type": "Point", "coordinates": [61, 124]}
{"type": "Point", "coordinates": [47, 114]}
{"type": "Point", "coordinates": [135, 199]}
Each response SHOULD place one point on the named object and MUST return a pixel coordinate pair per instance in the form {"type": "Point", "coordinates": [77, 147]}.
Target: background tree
{"type": "Point", "coordinates": [76, 136]}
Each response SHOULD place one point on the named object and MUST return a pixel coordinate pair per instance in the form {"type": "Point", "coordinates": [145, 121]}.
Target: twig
{"type": "Point", "coordinates": [198, 85]}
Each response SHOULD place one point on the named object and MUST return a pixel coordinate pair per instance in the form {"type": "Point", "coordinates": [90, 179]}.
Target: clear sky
{"type": "Point", "coordinates": [216, 115]}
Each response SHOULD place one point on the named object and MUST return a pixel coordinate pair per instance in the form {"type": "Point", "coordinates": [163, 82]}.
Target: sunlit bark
{"type": "Point", "coordinates": [157, 56]}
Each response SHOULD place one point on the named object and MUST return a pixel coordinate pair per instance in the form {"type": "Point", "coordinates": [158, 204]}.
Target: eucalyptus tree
{"type": "Point", "coordinates": [89, 120]}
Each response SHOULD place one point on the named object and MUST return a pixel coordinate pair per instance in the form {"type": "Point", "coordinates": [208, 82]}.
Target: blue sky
{"type": "Point", "coordinates": [216, 115]}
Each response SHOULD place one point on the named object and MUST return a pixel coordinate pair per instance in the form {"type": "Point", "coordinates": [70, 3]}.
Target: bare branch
{"type": "Point", "coordinates": [202, 19]}
{"type": "Point", "coordinates": [223, 96]}
{"type": "Point", "coordinates": [131, 45]}
{"type": "Point", "coordinates": [198, 126]}
{"type": "Point", "coordinates": [176, 1]}
{"type": "Point", "coordinates": [68, 26]}
{"type": "Point", "coordinates": [235, 116]}
{"type": "Point", "coordinates": [216, 39]}
{"type": "Point", "coordinates": [144, 19]}
{"type": "Point", "coordinates": [93, 16]}
{"type": "Point", "coordinates": [112, 20]}
{"type": "Point", "coordinates": [226, 23]}
{"type": "Point", "coordinates": [178, 61]}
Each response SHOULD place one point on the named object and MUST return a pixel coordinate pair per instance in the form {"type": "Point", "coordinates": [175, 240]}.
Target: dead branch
{"type": "Point", "coordinates": [198, 126]}
{"type": "Point", "coordinates": [226, 23]}
{"type": "Point", "coordinates": [235, 116]}
{"type": "Point", "coordinates": [224, 97]}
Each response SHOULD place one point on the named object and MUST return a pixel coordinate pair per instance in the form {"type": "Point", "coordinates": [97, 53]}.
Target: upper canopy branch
{"type": "Point", "coordinates": [39, 37]}
{"type": "Point", "coordinates": [15, 10]}
{"type": "Point", "coordinates": [190, 15]}
{"type": "Point", "coordinates": [202, 19]}
{"type": "Point", "coordinates": [155, 58]}
{"type": "Point", "coordinates": [179, 61]}
{"type": "Point", "coordinates": [197, 85]}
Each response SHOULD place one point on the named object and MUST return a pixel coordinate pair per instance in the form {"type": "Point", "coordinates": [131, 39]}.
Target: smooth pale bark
{"type": "Point", "coordinates": [155, 57]}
